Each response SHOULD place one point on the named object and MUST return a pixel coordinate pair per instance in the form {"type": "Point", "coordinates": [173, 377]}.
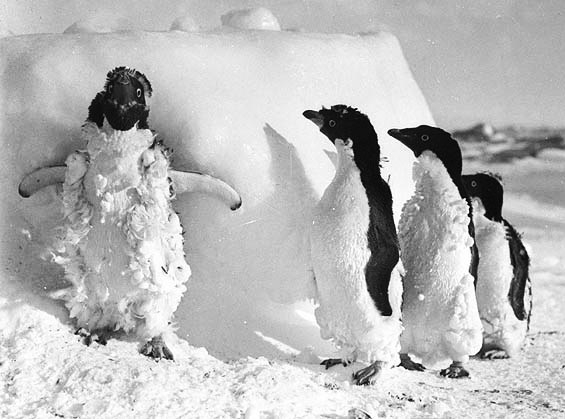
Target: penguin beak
{"type": "Point", "coordinates": [405, 139]}
{"type": "Point", "coordinates": [315, 117]}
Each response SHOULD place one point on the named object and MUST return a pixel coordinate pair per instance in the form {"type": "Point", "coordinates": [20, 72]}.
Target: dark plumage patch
{"type": "Point", "coordinates": [347, 123]}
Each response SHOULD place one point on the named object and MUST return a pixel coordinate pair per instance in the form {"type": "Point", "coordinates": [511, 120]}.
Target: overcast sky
{"type": "Point", "coordinates": [499, 61]}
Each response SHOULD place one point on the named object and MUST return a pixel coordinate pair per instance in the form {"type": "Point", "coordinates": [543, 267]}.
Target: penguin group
{"type": "Point", "coordinates": [462, 272]}
{"type": "Point", "coordinates": [450, 282]}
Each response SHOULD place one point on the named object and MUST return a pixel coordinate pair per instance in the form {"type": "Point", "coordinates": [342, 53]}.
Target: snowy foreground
{"type": "Point", "coordinates": [249, 267]}
{"type": "Point", "coordinates": [45, 372]}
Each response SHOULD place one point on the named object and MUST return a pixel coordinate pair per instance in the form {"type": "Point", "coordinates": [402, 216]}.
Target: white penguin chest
{"type": "Point", "coordinates": [340, 248]}
{"type": "Point", "coordinates": [495, 269]}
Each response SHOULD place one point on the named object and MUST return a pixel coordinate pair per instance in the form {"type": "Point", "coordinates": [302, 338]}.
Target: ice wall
{"type": "Point", "coordinates": [229, 104]}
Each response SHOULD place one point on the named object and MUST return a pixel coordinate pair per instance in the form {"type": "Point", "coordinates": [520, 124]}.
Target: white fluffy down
{"type": "Point", "coordinates": [501, 327]}
{"type": "Point", "coordinates": [121, 244]}
{"type": "Point", "coordinates": [346, 312]}
{"type": "Point", "coordinates": [440, 312]}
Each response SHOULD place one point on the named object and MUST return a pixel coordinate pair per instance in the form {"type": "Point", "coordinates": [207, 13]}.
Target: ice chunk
{"type": "Point", "coordinates": [259, 18]}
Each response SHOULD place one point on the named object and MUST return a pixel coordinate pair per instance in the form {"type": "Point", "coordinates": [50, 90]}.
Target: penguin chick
{"type": "Point", "coordinates": [354, 248]}
{"type": "Point", "coordinates": [439, 311]}
{"type": "Point", "coordinates": [124, 101]}
{"type": "Point", "coordinates": [504, 293]}
{"type": "Point", "coordinates": [121, 245]}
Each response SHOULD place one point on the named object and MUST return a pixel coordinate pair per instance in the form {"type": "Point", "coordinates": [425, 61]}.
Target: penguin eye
{"type": "Point", "coordinates": [331, 123]}
{"type": "Point", "coordinates": [425, 137]}
{"type": "Point", "coordinates": [138, 92]}
{"type": "Point", "coordinates": [473, 184]}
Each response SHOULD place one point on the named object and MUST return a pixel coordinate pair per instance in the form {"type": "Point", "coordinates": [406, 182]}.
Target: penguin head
{"type": "Point", "coordinates": [487, 188]}
{"type": "Point", "coordinates": [425, 138]}
{"type": "Point", "coordinates": [125, 98]}
{"type": "Point", "coordinates": [349, 130]}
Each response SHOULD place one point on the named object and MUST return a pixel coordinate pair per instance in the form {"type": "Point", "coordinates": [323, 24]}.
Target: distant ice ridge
{"type": "Point", "coordinates": [228, 103]}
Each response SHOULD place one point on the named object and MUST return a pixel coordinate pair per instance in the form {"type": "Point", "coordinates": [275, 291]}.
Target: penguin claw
{"type": "Point", "coordinates": [455, 370]}
{"type": "Point", "coordinates": [332, 362]}
{"type": "Point", "coordinates": [368, 375]}
{"type": "Point", "coordinates": [494, 354]}
{"type": "Point", "coordinates": [356, 413]}
{"type": "Point", "coordinates": [157, 349]}
{"type": "Point", "coordinates": [410, 365]}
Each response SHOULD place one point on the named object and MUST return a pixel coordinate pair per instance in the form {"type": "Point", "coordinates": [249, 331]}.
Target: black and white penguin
{"type": "Point", "coordinates": [354, 248]}
{"type": "Point", "coordinates": [121, 245]}
{"type": "Point", "coordinates": [439, 312]}
{"type": "Point", "coordinates": [504, 290]}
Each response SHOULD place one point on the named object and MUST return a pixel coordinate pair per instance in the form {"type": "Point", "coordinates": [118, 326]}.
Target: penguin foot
{"type": "Point", "coordinates": [100, 336]}
{"type": "Point", "coordinates": [156, 348]}
{"type": "Point", "coordinates": [368, 375]}
{"type": "Point", "coordinates": [410, 365]}
{"type": "Point", "coordinates": [332, 362]}
{"type": "Point", "coordinates": [493, 354]}
{"type": "Point", "coordinates": [455, 370]}
{"type": "Point", "coordinates": [356, 413]}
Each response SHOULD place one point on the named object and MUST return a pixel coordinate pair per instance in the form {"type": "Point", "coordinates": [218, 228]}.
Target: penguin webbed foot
{"type": "Point", "coordinates": [368, 375]}
{"type": "Point", "coordinates": [492, 354]}
{"type": "Point", "coordinates": [332, 362]}
{"type": "Point", "coordinates": [455, 370]}
{"type": "Point", "coordinates": [157, 349]}
{"type": "Point", "coordinates": [410, 365]}
{"type": "Point", "coordinates": [100, 336]}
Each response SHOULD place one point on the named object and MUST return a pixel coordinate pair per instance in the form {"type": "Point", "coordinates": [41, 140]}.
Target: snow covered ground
{"type": "Point", "coordinates": [46, 372]}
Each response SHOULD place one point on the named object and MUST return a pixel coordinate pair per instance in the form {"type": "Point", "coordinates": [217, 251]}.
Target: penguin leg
{"type": "Point", "coordinates": [410, 365]}
{"type": "Point", "coordinates": [157, 349]}
{"type": "Point", "coordinates": [369, 374]}
{"type": "Point", "coordinates": [455, 370]}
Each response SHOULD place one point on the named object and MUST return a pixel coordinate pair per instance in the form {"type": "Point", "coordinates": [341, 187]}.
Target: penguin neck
{"type": "Point", "coordinates": [367, 168]}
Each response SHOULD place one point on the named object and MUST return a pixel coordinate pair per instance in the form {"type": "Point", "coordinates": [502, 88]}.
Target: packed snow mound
{"type": "Point", "coordinates": [259, 18]}
{"type": "Point", "coordinates": [185, 24]}
{"type": "Point", "coordinates": [230, 105]}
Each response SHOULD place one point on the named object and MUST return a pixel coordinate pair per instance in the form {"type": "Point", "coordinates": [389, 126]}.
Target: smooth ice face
{"type": "Point", "coordinates": [228, 104]}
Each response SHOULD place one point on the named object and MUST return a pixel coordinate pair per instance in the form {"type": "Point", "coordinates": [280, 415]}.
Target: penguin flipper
{"type": "Point", "coordinates": [40, 179]}
{"type": "Point", "coordinates": [96, 110]}
{"type": "Point", "coordinates": [199, 182]}
{"type": "Point", "coordinates": [377, 276]}
{"type": "Point", "coordinates": [520, 280]}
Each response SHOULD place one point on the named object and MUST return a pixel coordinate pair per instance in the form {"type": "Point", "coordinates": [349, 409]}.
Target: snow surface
{"type": "Point", "coordinates": [231, 104]}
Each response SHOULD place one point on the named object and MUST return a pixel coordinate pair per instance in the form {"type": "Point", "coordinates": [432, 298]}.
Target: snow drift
{"type": "Point", "coordinates": [229, 104]}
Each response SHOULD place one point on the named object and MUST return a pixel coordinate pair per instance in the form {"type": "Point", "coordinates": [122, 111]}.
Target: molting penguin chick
{"type": "Point", "coordinates": [121, 245]}
{"type": "Point", "coordinates": [504, 293]}
{"type": "Point", "coordinates": [124, 101]}
{"type": "Point", "coordinates": [439, 312]}
{"type": "Point", "coordinates": [354, 248]}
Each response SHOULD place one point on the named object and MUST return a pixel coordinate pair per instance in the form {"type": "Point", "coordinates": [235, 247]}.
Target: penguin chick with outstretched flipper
{"type": "Point", "coordinates": [121, 245]}
{"type": "Point", "coordinates": [504, 291]}
{"type": "Point", "coordinates": [354, 248]}
{"type": "Point", "coordinates": [439, 309]}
